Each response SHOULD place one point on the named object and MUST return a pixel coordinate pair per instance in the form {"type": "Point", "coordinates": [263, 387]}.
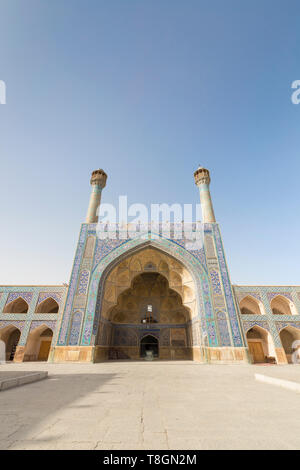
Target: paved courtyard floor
{"type": "Point", "coordinates": [150, 405]}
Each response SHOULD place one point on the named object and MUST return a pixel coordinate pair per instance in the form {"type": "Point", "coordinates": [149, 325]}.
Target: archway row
{"type": "Point", "coordinates": [262, 349]}
{"type": "Point", "coordinates": [20, 305]}
{"type": "Point", "coordinates": [280, 305]}
{"type": "Point", "coordinates": [37, 347]}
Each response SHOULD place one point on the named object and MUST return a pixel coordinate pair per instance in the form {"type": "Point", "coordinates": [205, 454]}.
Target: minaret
{"type": "Point", "coordinates": [98, 182]}
{"type": "Point", "coordinates": [202, 180]}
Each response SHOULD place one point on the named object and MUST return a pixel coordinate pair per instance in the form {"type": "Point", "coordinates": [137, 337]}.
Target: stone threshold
{"type": "Point", "coordinates": [5, 384]}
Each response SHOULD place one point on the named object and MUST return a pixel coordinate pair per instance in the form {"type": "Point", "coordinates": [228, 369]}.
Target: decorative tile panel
{"type": "Point", "coordinates": [83, 282]}
{"type": "Point", "coordinates": [232, 311]}
{"type": "Point", "coordinates": [47, 323]}
{"type": "Point", "coordinates": [247, 325]}
{"type": "Point", "coordinates": [225, 339]}
{"type": "Point", "coordinates": [17, 324]}
{"type": "Point", "coordinates": [283, 324]}
{"type": "Point", "coordinates": [242, 295]}
{"type": "Point", "coordinates": [215, 281]}
{"type": "Point", "coordinates": [271, 295]}
{"type": "Point", "coordinates": [27, 296]}
{"type": "Point", "coordinates": [65, 324]}
{"type": "Point", "coordinates": [76, 327]}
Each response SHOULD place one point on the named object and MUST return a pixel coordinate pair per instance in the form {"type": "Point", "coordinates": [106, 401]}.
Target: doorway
{"type": "Point", "coordinates": [44, 350]}
{"type": "Point", "coordinates": [149, 347]}
{"type": "Point", "coordinates": [38, 344]}
{"type": "Point", "coordinates": [261, 346]}
{"type": "Point", "coordinates": [10, 335]}
{"type": "Point", "coordinates": [256, 349]}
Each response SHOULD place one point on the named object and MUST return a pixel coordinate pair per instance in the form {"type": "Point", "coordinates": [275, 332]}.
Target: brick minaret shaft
{"type": "Point", "coordinates": [98, 182]}
{"type": "Point", "coordinates": [202, 180]}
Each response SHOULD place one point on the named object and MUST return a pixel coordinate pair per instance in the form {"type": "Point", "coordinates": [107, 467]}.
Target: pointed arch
{"type": "Point", "coordinates": [38, 343]}
{"type": "Point", "coordinates": [177, 252]}
{"type": "Point", "coordinates": [149, 346]}
{"type": "Point", "coordinates": [249, 305]}
{"type": "Point", "coordinates": [149, 335]}
{"type": "Point", "coordinates": [288, 336]}
{"type": "Point", "coordinates": [281, 305]}
{"type": "Point", "coordinates": [48, 305]}
{"type": "Point", "coordinates": [18, 305]}
{"type": "Point", "coordinates": [261, 345]}
{"type": "Point", "coordinates": [10, 335]}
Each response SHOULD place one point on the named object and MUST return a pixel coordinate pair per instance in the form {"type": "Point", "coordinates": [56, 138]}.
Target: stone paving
{"type": "Point", "coordinates": [150, 405]}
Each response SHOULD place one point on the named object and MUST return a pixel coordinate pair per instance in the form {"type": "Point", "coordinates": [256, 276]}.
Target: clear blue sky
{"type": "Point", "coordinates": [147, 90]}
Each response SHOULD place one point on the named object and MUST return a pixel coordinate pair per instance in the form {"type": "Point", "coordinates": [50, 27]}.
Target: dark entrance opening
{"type": "Point", "coordinates": [149, 346]}
{"type": "Point", "coordinates": [12, 344]}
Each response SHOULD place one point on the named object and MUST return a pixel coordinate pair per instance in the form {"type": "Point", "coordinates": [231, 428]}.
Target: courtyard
{"type": "Point", "coordinates": [150, 405]}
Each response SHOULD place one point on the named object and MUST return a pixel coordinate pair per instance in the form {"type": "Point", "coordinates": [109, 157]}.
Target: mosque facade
{"type": "Point", "coordinates": [147, 297]}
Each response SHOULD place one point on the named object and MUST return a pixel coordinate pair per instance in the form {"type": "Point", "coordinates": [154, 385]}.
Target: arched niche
{"type": "Point", "coordinates": [261, 345]}
{"type": "Point", "coordinates": [18, 305]}
{"type": "Point", "coordinates": [290, 340]}
{"type": "Point", "coordinates": [48, 305]}
{"type": "Point", "coordinates": [10, 335]}
{"type": "Point", "coordinates": [251, 306]}
{"type": "Point", "coordinates": [38, 344]}
{"type": "Point", "coordinates": [281, 305]}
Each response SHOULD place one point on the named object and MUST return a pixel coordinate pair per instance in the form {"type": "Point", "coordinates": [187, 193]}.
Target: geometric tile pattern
{"type": "Point", "coordinates": [215, 280]}
{"type": "Point", "coordinates": [57, 296]}
{"type": "Point", "coordinates": [283, 324]}
{"type": "Point", "coordinates": [36, 324]}
{"type": "Point", "coordinates": [75, 327]}
{"type": "Point", "coordinates": [17, 324]}
{"type": "Point", "coordinates": [225, 339]}
{"type": "Point", "coordinates": [27, 296]}
{"type": "Point", "coordinates": [83, 282]}
{"type": "Point", "coordinates": [250, 324]}
{"type": "Point", "coordinates": [271, 295]}
{"type": "Point", "coordinates": [241, 295]}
